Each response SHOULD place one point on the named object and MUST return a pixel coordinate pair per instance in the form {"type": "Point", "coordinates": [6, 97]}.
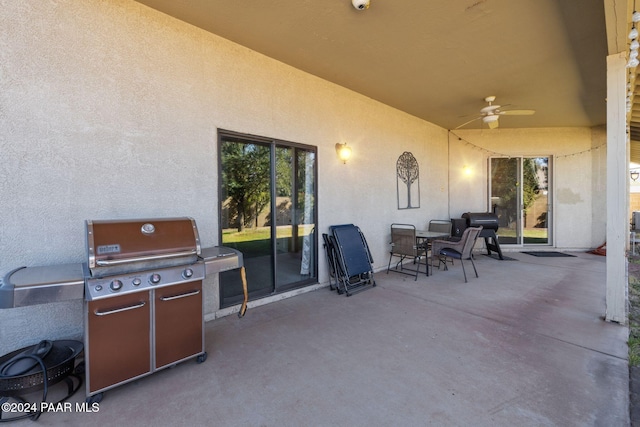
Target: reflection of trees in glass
{"type": "Point", "coordinates": [245, 177]}
{"type": "Point", "coordinates": [530, 188]}
{"type": "Point", "coordinates": [541, 167]}
{"type": "Point", "coordinates": [246, 183]}
{"type": "Point", "coordinates": [535, 180]}
{"type": "Point", "coordinates": [284, 179]}
{"type": "Point", "coordinates": [284, 168]}
{"type": "Point", "coordinates": [305, 186]}
{"type": "Point", "coordinates": [504, 183]}
{"type": "Point", "coordinates": [294, 177]}
{"type": "Point", "coordinates": [408, 171]}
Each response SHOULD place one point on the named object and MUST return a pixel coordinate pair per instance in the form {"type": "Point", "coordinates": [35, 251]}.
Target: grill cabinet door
{"type": "Point", "coordinates": [178, 323]}
{"type": "Point", "coordinates": [119, 339]}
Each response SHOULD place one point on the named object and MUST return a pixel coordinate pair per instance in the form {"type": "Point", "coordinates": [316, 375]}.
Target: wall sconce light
{"type": "Point", "coordinates": [635, 175]}
{"type": "Point", "coordinates": [466, 170]}
{"type": "Point", "coordinates": [343, 151]}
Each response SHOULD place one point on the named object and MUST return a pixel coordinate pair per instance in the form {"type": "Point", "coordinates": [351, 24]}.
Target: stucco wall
{"type": "Point", "coordinates": [109, 110]}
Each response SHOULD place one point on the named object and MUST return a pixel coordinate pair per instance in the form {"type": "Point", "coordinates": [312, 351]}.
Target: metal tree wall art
{"type": "Point", "coordinates": [408, 181]}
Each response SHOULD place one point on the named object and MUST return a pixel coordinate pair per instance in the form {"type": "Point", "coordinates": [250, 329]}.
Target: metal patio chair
{"type": "Point", "coordinates": [462, 250]}
{"type": "Point", "coordinates": [440, 225]}
{"type": "Point", "coordinates": [405, 247]}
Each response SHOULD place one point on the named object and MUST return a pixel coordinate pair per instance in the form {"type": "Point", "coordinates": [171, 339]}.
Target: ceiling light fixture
{"type": "Point", "coordinates": [490, 118]}
{"type": "Point", "coordinates": [361, 4]}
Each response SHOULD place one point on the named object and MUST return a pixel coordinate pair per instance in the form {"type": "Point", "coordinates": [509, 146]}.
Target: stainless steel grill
{"type": "Point", "coordinates": [143, 309]}
{"type": "Point", "coordinates": [142, 287]}
{"type": "Point", "coordinates": [144, 297]}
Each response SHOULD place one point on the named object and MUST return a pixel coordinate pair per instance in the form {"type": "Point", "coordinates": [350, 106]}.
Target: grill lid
{"type": "Point", "coordinates": [121, 243]}
{"type": "Point", "coordinates": [488, 220]}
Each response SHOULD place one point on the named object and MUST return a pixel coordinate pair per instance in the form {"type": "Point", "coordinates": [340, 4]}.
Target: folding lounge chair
{"type": "Point", "coordinates": [353, 261]}
{"type": "Point", "coordinates": [330, 253]}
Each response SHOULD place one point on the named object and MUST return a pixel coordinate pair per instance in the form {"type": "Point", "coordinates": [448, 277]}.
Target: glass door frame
{"type": "Point", "coordinates": [520, 223]}
{"type": "Point", "coordinates": [273, 287]}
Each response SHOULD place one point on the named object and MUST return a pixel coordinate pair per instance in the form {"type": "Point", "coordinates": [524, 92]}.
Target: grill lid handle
{"type": "Point", "coordinates": [107, 262]}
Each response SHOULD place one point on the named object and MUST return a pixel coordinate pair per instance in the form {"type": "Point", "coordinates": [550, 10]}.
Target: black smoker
{"type": "Point", "coordinates": [489, 223]}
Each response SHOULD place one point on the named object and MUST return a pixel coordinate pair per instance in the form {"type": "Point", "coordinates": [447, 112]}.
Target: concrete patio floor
{"type": "Point", "coordinates": [524, 344]}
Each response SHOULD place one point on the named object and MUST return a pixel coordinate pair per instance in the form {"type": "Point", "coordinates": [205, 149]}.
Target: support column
{"type": "Point", "coordinates": [617, 198]}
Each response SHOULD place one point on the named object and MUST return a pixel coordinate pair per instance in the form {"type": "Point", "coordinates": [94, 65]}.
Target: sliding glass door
{"type": "Point", "coordinates": [519, 196]}
{"type": "Point", "coordinates": [268, 212]}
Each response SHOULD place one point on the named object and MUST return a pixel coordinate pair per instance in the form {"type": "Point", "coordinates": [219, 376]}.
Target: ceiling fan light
{"type": "Point", "coordinates": [490, 118]}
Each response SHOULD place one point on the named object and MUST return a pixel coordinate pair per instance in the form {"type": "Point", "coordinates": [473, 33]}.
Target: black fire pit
{"type": "Point", "coordinates": [23, 372]}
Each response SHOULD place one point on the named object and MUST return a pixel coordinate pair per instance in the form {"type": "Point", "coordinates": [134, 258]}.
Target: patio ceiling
{"type": "Point", "coordinates": [437, 59]}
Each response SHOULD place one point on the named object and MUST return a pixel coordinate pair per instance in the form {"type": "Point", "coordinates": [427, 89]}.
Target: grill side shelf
{"type": "Point", "coordinates": [221, 258]}
{"type": "Point", "coordinates": [27, 286]}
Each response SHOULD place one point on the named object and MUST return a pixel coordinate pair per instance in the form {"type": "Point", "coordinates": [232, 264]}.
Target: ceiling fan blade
{"type": "Point", "coordinates": [493, 124]}
{"type": "Point", "coordinates": [470, 121]}
{"type": "Point", "coordinates": [518, 112]}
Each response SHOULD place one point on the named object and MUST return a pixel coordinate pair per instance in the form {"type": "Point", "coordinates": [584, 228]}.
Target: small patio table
{"type": "Point", "coordinates": [424, 237]}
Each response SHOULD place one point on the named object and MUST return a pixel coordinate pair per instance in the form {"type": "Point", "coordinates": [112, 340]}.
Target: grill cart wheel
{"type": "Point", "coordinates": [96, 398]}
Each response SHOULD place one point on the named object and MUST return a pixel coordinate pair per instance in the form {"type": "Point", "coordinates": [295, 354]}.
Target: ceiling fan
{"type": "Point", "coordinates": [492, 112]}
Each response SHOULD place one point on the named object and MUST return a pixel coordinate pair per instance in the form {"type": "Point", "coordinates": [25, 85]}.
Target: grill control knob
{"type": "Point", "coordinates": [155, 278]}
{"type": "Point", "coordinates": [136, 281]}
{"type": "Point", "coordinates": [187, 273]}
{"type": "Point", "coordinates": [116, 285]}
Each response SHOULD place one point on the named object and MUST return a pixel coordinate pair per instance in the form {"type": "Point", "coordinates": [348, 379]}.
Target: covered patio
{"type": "Point", "coordinates": [524, 344]}
{"type": "Point", "coordinates": [115, 110]}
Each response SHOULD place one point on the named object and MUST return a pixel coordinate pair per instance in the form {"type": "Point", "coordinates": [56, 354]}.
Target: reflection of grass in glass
{"type": "Point", "coordinates": [257, 241]}
{"type": "Point", "coordinates": [531, 235]}
{"type": "Point", "coordinates": [232, 235]}
{"type": "Point", "coordinates": [534, 233]}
